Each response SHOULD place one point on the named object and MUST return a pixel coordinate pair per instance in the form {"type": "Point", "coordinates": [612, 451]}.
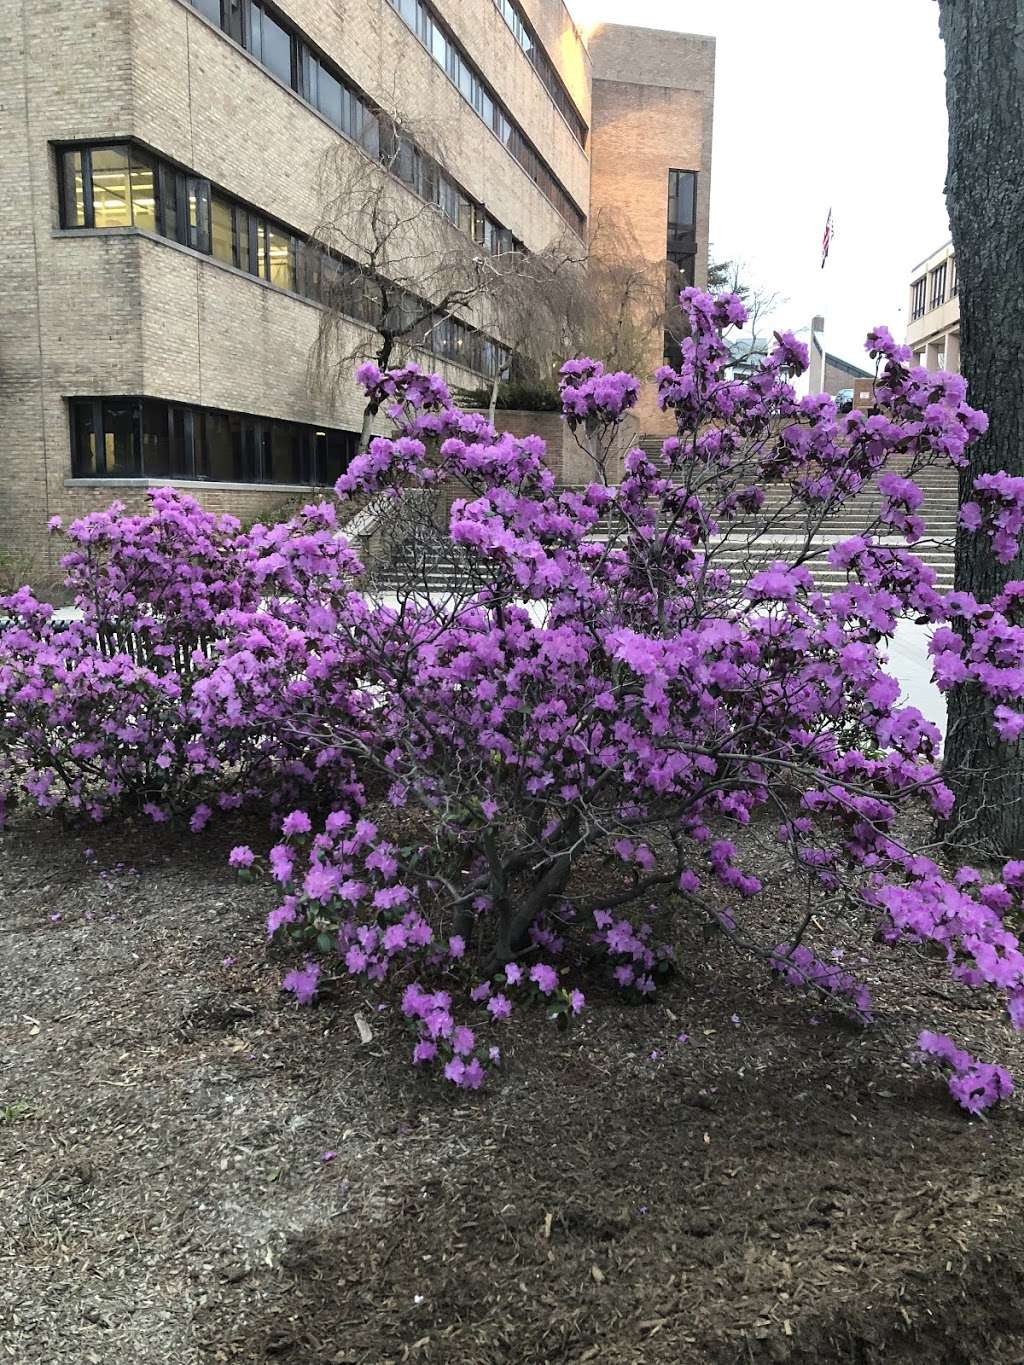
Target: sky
{"type": "Point", "coordinates": [819, 104]}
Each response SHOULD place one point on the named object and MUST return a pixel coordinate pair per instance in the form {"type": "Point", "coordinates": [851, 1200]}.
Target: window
{"type": "Point", "coordinates": [111, 204]}
{"type": "Point", "coordinates": [938, 286]}
{"type": "Point", "coordinates": [72, 189]}
{"type": "Point", "coordinates": [197, 213]}
{"type": "Point", "coordinates": [222, 230]}
{"type": "Point", "coordinates": [329, 97]}
{"type": "Point", "coordinates": [144, 190]}
{"type": "Point", "coordinates": [245, 240]}
{"type": "Point", "coordinates": [211, 8]}
{"type": "Point", "coordinates": [282, 259]}
{"type": "Point", "coordinates": [151, 438]}
{"type": "Point", "coordinates": [275, 44]}
{"type": "Point", "coordinates": [233, 19]}
{"type": "Point", "coordinates": [917, 299]}
{"type": "Point", "coordinates": [682, 188]}
{"type": "Point", "coordinates": [954, 280]}
{"type": "Point", "coordinates": [172, 214]}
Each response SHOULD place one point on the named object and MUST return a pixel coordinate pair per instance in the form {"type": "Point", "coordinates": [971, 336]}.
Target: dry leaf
{"type": "Point", "coordinates": [365, 1031]}
{"type": "Point", "coordinates": [597, 1274]}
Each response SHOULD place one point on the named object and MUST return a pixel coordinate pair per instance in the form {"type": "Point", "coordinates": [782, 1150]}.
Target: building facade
{"type": "Point", "coordinates": [163, 183]}
{"type": "Point", "coordinates": [933, 332]}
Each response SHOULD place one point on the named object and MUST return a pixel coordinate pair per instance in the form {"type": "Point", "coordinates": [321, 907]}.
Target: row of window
{"type": "Point", "coordinates": [285, 52]}
{"type": "Point", "coordinates": [123, 185]}
{"type": "Point", "coordinates": [423, 21]}
{"type": "Point", "coordinates": [531, 45]}
{"type": "Point", "coordinates": [275, 42]}
{"type": "Point", "coordinates": [930, 290]}
{"type": "Point", "coordinates": [133, 438]}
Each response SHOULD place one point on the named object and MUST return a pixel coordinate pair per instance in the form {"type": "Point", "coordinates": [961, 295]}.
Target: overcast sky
{"type": "Point", "coordinates": [819, 103]}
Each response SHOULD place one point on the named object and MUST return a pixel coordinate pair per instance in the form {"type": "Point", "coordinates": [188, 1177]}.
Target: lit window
{"type": "Point", "coordinates": [110, 198]}
{"type": "Point", "coordinates": [143, 190]}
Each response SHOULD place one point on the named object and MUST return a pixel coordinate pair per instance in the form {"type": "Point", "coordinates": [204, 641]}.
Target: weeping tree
{"type": "Point", "coordinates": [400, 249]}
{"type": "Point", "coordinates": [984, 41]}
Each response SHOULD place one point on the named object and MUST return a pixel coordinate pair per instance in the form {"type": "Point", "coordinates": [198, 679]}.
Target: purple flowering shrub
{"type": "Point", "coordinates": [640, 673]}
{"type": "Point", "coordinates": [637, 694]}
{"type": "Point", "coordinates": [165, 689]}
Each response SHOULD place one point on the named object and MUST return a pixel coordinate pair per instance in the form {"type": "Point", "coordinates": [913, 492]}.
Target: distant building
{"type": "Point", "coordinates": [747, 355]}
{"type": "Point", "coordinates": [828, 373]}
{"type": "Point", "coordinates": [933, 333]}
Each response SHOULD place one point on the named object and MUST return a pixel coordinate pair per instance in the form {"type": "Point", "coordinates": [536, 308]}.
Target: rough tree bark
{"type": "Point", "coordinates": [984, 42]}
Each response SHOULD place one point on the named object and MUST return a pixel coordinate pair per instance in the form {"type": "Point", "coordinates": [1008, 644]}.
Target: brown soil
{"type": "Point", "coordinates": [775, 1189]}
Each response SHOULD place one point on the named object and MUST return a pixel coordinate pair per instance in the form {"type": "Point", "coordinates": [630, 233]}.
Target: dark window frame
{"type": "Point", "coordinates": [311, 446]}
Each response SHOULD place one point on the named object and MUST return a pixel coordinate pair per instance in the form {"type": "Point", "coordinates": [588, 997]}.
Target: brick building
{"type": "Point", "coordinates": [160, 184]}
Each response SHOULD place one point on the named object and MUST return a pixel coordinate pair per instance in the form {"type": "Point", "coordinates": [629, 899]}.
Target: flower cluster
{"type": "Point", "coordinates": [976, 1086]}
{"type": "Point", "coordinates": [801, 969]}
{"type": "Point", "coordinates": [633, 962]}
{"type": "Point", "coordinates": [997, 508]}
{"type": "Point", "coordinates": [589, 394]}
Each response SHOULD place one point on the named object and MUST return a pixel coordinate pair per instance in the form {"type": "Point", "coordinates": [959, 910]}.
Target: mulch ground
{"type": "Point", "coordinates": [781, 1187]}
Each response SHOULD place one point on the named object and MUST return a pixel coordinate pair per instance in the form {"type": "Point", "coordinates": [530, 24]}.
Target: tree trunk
{"type": "Point", "coordinates": [985, 195]}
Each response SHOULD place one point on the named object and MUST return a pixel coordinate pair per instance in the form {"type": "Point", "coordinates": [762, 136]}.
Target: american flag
{"type": "Point", "coordinates": [826, 240]}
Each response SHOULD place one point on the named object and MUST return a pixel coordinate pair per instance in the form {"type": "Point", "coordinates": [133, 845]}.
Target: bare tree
{"type": "Point", "coordinates": [985, 195]}
{"type": "Point", "coordinates": [387, 258]}
{"type": "Point", "coordinates": [401, 251]}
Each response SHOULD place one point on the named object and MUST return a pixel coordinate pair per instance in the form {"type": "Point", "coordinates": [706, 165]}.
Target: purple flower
{"type": "Point", "coordinates": [303, 983]}
{"type": "Point", "coordinates": [298, 822]}
{"type": "Point", "coordinates": [241, 856]}
{"type": "Point", "coordinates": [545, 978]}
{"type": "Point", "coordinates": [500, 1006]}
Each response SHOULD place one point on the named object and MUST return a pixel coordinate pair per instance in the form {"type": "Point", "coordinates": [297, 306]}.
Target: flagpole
{"type": "Point", "coordinates": [826, 248]}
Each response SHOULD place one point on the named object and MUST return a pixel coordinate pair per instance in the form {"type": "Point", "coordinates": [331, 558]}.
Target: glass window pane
{"type": "Point", "coordinates": [72, 190]}
{"type": "Point", "coordinates": [277, 48]}
{"type": "Point", "coordinates": [282, 259]}
{"type": "Point", "coordinates": [143, 190]}
{"type": "Point", "coordinates": [309, 73]}
{"type": "Point", "coordinates": [681, 185]}
{"type": "Point", "coordinates": [286, 463]}
{"type": "Point", "coordinates": [111, 206]}
{"type": "Point", "coordinates": [197, 195]}
{"type": "Point", "coordinates": [211, 8]}
{"type": "Point", "coordinates": [234, 19]}
{"type": "Point", "coordinates": [328, 99]}
{"type": "Point", "coordinates": [369, 133]}
{"type": "Point", "coordinates": [156, 461]}
{"type": "Point", "coordinates": [243, 242]}
{"type": "Point", "coordinates": [181, 423]}
{"type": "Point", "coordinates": [438, 46]}
{"type": "Point", "coordinates": [119, 454]}
{"type": "Point", "coordinates": [222, 236]}
{"type": "Point", "coordinates": [218, 456]}
{"type": "Point", "coordinates": [170, 224]}
{"type": "Point", "coordinates": [334, 451]}
{"type": "Point", "coordinates": [83, 439]}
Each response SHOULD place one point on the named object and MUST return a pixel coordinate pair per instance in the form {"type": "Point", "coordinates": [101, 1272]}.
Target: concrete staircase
{"type": "Point", "coordinates": [425, 554]}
